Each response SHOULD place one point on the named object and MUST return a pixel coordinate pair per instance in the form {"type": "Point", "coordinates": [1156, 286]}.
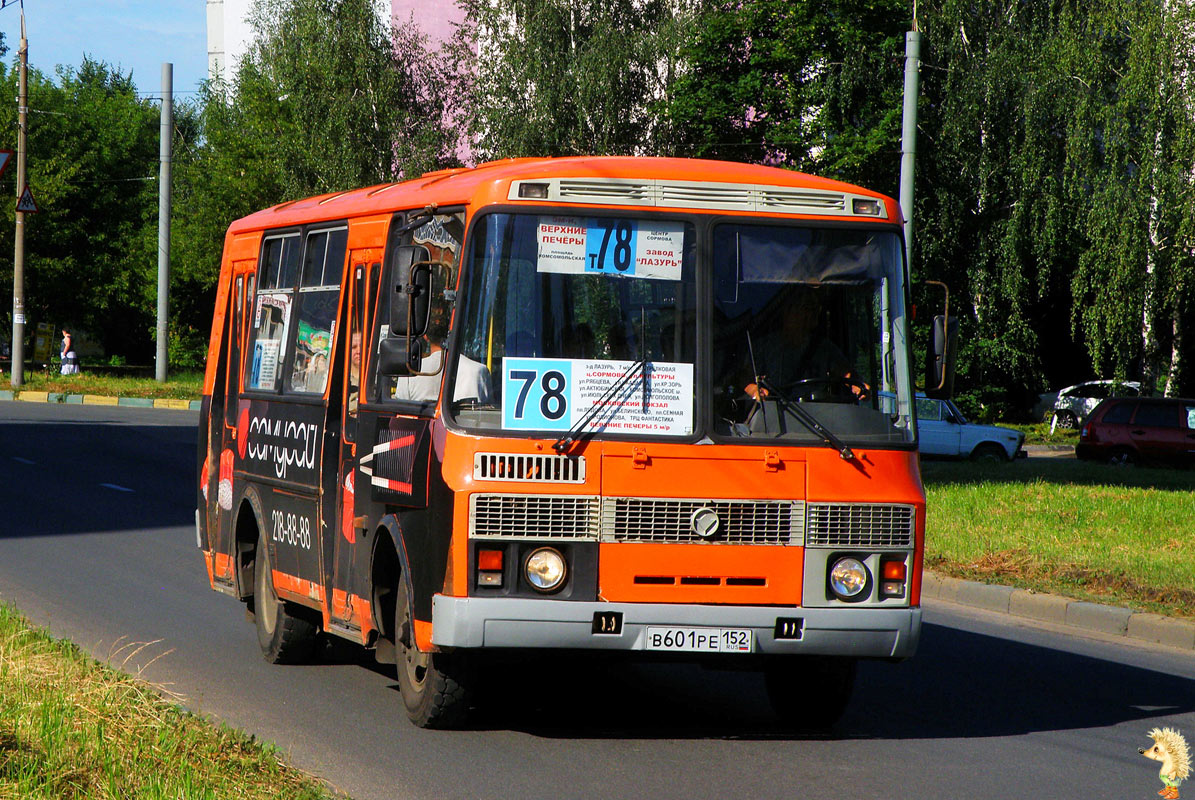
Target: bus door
{"type": "Point", "coordinates": [350, 563]}
{"type": "Point", "coordinates": [224, 425]}
{"type": "Point", "coordinates": [287, 366]}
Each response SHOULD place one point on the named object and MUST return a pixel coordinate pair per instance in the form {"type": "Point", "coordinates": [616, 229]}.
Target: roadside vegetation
{"type": "Point", "coordinates": [71, 727]}
{"type": "Point", "coordinates": [1083, 530]}
{"type": "Point", "coordinates": [181, 386]}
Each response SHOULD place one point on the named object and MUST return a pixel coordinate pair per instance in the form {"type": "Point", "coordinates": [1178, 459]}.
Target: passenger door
{"type": "Point", "coordinates": [1157, 432]}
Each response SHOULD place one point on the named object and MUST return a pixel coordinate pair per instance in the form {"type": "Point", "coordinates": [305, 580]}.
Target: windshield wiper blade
{"type": "Point", "coordinates": [566, 441]}
{"type": "Point", "coordinates": [808, 420]}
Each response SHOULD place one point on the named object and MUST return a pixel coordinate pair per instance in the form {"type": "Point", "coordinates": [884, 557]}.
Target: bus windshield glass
{"type": "Point", "coordinates": [809, 325]}
{"type": "Point", "coordinates": [578, 323]}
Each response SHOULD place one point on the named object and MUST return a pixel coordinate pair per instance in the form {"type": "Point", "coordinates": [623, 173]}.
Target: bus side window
{"type": "Point", "coordinates": [317, 304]}
{"type": "Point", "coordinates": [272, 311]}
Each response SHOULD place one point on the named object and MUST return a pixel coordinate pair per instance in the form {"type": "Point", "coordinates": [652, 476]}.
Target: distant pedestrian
{"type": "Point", "coordinates": [70, 359]}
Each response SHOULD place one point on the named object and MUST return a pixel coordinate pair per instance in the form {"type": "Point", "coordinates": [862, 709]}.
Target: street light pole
{"type": "Point", "coordinates": [164, 150]}
{"type": "Point", "coordinates": [18, 257]}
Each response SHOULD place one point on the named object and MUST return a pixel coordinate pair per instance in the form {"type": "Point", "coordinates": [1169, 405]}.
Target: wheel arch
{"type": "Point", "coordinates": [388, 564]}
{"type": "Point", "coordinates": [245, 531]}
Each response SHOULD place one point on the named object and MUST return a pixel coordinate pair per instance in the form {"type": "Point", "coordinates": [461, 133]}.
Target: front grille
{"type": "Point", "coordinates": [501, 516]}
{"type": "Point", "coordinates": [631, 519]}
{"type": "Point", "coordinates": [859, 525]}
{"type": "Point", "coordinates": [528, 468]}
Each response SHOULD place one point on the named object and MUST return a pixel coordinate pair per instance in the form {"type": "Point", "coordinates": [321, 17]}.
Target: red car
{"type": "Point", "coordinates": [1126, 430]}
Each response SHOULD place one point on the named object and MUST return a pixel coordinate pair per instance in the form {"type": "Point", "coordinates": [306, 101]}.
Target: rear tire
{"type": "Point", "coordinates": [435, 687]}
{"type": "Point", "coordinates": [1067, 419]}
{"type": "Point", "coordinates": [284, 638]}
{"type": "Point", "coordinates": [810, 692]}
{"type": "Point", "coordinates": [1122, 457]}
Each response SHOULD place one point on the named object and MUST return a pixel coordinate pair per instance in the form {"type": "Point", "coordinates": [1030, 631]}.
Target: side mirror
{"type": "Point", "coordinates": [943, 351]}
{"type": "Point", "coordinates": [396, 359]}
{"type": "Point", "coordinates": [410, 300]}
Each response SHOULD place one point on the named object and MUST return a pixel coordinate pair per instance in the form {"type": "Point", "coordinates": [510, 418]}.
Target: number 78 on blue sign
{"type": "Point", "coordinates": [536, 394]}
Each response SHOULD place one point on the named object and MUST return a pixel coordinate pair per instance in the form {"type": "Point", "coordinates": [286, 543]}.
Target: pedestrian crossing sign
{"type": "Point", "coordinates": [26, 204]}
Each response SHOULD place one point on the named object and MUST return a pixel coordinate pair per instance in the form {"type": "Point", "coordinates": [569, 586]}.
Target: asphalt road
{"type": "Point", "coordinates": [97, 542]}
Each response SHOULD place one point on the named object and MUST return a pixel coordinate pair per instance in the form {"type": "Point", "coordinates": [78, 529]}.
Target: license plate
{"type": "Point", "coordinates": [699, 640]}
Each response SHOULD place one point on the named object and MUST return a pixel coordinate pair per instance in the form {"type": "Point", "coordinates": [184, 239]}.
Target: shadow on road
{"type": "Point", "coordinates": [960, 685]}
{"type": "Point", "coordinates": [59, 477]}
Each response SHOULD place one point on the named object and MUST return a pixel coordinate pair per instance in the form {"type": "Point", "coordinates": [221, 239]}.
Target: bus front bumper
{"type": "Point", "coordinates": [528, 623]}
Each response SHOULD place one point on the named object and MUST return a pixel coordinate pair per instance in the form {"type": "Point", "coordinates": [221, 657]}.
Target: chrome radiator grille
{"type": "Point", "coordinates": [632, 519]}
{"type": "Point", "coordinates": [859, 525]}
{"type": "Point", "coordinates": [533, 516]}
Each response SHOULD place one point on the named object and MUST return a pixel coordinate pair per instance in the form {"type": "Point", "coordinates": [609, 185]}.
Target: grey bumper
{"type": "Point", "coordinates": [514, 622]}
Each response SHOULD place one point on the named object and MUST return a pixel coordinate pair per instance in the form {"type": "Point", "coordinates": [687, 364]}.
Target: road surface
{"type": "Point", "coordinates": [97, 542]}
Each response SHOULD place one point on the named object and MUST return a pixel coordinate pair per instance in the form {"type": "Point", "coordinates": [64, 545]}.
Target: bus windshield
{"type": "Point", "coordinates": [809, 324]}
{"type": "Point", "coordinates": [559, 309]}
{"type": "Point", "coordinates": [589, 324]}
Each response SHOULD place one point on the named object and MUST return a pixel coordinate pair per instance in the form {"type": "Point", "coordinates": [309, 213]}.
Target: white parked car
{"type": "Point", "coordinates": [1074, 403]}
{"type": "Point", "coordinates": [943, 431]}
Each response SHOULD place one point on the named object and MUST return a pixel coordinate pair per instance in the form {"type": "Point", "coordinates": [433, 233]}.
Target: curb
{"type": "Point", "coordinates": [1091, 617]}
{"type": "Point", "coordinates": [98, 400]}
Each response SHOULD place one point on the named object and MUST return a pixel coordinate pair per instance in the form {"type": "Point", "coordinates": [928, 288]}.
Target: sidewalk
{"type": "Point", "coordinates": [98, 400]}
{"type": "Point", "coordinates": [1084, 616]}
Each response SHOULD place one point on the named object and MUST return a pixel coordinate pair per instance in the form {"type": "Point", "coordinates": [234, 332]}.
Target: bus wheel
{"type": "Point", "coordinates": [434, 686]}
{"type": "Point", "coordinates": [810, 692]}
{"type": "Point", "coordinates": [284, 638]}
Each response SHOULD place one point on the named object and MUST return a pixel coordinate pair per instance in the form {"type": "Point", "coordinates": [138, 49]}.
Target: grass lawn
{"type": "Point", "coordinates": [1092, 531]}
{"type": "Point", "coordinates": [182, 386]}
{"type": "Point", "coordinates": [71, 727]}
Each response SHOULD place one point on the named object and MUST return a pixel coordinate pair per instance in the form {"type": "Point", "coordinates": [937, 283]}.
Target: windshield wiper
{"type": "Point", "coordinates": [807, 419]}
{"type": "Point", "coordinates": [566, 441]}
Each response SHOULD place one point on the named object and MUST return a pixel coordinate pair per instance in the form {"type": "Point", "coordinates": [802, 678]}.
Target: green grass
{"type": "Point", "coordinates": [1039, 433]}
{"type": "Point", "coordinates": [183, 386]}
{"type": "Point", "coordinates": [1090, 531]}
{"type": "Point", "coordinates": [71, 727]}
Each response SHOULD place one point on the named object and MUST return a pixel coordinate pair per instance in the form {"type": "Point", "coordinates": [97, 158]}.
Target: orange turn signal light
{"type": "Point", "coordinates": [894, 570]}
{"type": "Point", "coordinates": [489, 560]}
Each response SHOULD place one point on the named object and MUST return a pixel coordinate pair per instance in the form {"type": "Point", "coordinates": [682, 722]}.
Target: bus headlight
{"type": "Point", "coordinates": [546, 569]}
{"type": "Point", "coordinates": [848, 578]}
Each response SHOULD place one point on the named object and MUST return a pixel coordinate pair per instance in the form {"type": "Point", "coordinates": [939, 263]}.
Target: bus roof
{"type": "Point", "coordinates": [693, 180]}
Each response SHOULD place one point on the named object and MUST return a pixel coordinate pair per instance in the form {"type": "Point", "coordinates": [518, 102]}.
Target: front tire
{"type": "Point", "coordinates": [435, 687]}
{"type": "Point", "coordinates": [284, 638]}
{"type": "Point", "coordinates": [989, 453]}
{"type": "Point", "coordinates": [810, 692]}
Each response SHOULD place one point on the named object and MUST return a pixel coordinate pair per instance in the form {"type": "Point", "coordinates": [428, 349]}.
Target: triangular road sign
{"type": "Point", "coordinates": [26, 204]}
{"type": "Point", "coordinates": [5, 157]}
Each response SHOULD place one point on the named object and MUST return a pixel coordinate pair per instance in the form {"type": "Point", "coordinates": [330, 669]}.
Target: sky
{"type": "Point", "coordinates": [136, 35]}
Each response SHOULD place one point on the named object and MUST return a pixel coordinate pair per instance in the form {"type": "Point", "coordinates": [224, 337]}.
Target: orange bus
{"type": "Point", "coordinates": [652, 408]}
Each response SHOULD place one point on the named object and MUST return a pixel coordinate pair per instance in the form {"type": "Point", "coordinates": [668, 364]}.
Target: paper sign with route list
{"type": "Point", "coordinates": [554, 394]}
{"type": "Point", "coordinates": [613, 246]}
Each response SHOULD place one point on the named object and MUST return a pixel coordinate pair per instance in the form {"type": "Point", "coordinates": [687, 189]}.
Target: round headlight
{"type": "Point", "coordinates": [546, 569]}
{"type": "Point", "coordinates": [848, 577]}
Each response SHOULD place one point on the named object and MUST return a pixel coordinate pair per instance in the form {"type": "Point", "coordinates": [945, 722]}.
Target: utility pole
{"type": "Point", "coordinates": [908, 137]}
{"type": "Point", "coordinates": [18, 257]}
{"type": "Point", "coordinates": [167, 136]}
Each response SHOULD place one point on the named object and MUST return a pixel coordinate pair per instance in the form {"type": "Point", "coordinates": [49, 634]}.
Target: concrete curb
{"type": "Point", "coordinates": [26, 396]}
{"type": "Point", "coordinates": [1093, 617]}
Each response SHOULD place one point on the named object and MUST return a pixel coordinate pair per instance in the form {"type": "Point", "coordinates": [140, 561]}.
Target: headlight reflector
{"type": "Point", "coordinates": [546, 569]}
{"type": "Point", "coordinates": [848, 578]}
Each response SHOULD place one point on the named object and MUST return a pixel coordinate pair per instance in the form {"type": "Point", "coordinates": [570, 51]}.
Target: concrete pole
{"type": "Point", "coordinates": [167, 136]}
{"type": "Point", "coordinates": [908, 137]}
{"type": "Point", "coordinates": [18, 255]}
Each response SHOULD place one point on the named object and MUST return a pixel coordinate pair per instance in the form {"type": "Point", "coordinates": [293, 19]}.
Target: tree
{"type": "Point", "coordinates": [813, 85]}
{"type": "Point", "coordinates": [90, 256]}
{"type": "Point", "coordinates": [325, 100]}
{"type": "Point", "coordinates": [564, 77]}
